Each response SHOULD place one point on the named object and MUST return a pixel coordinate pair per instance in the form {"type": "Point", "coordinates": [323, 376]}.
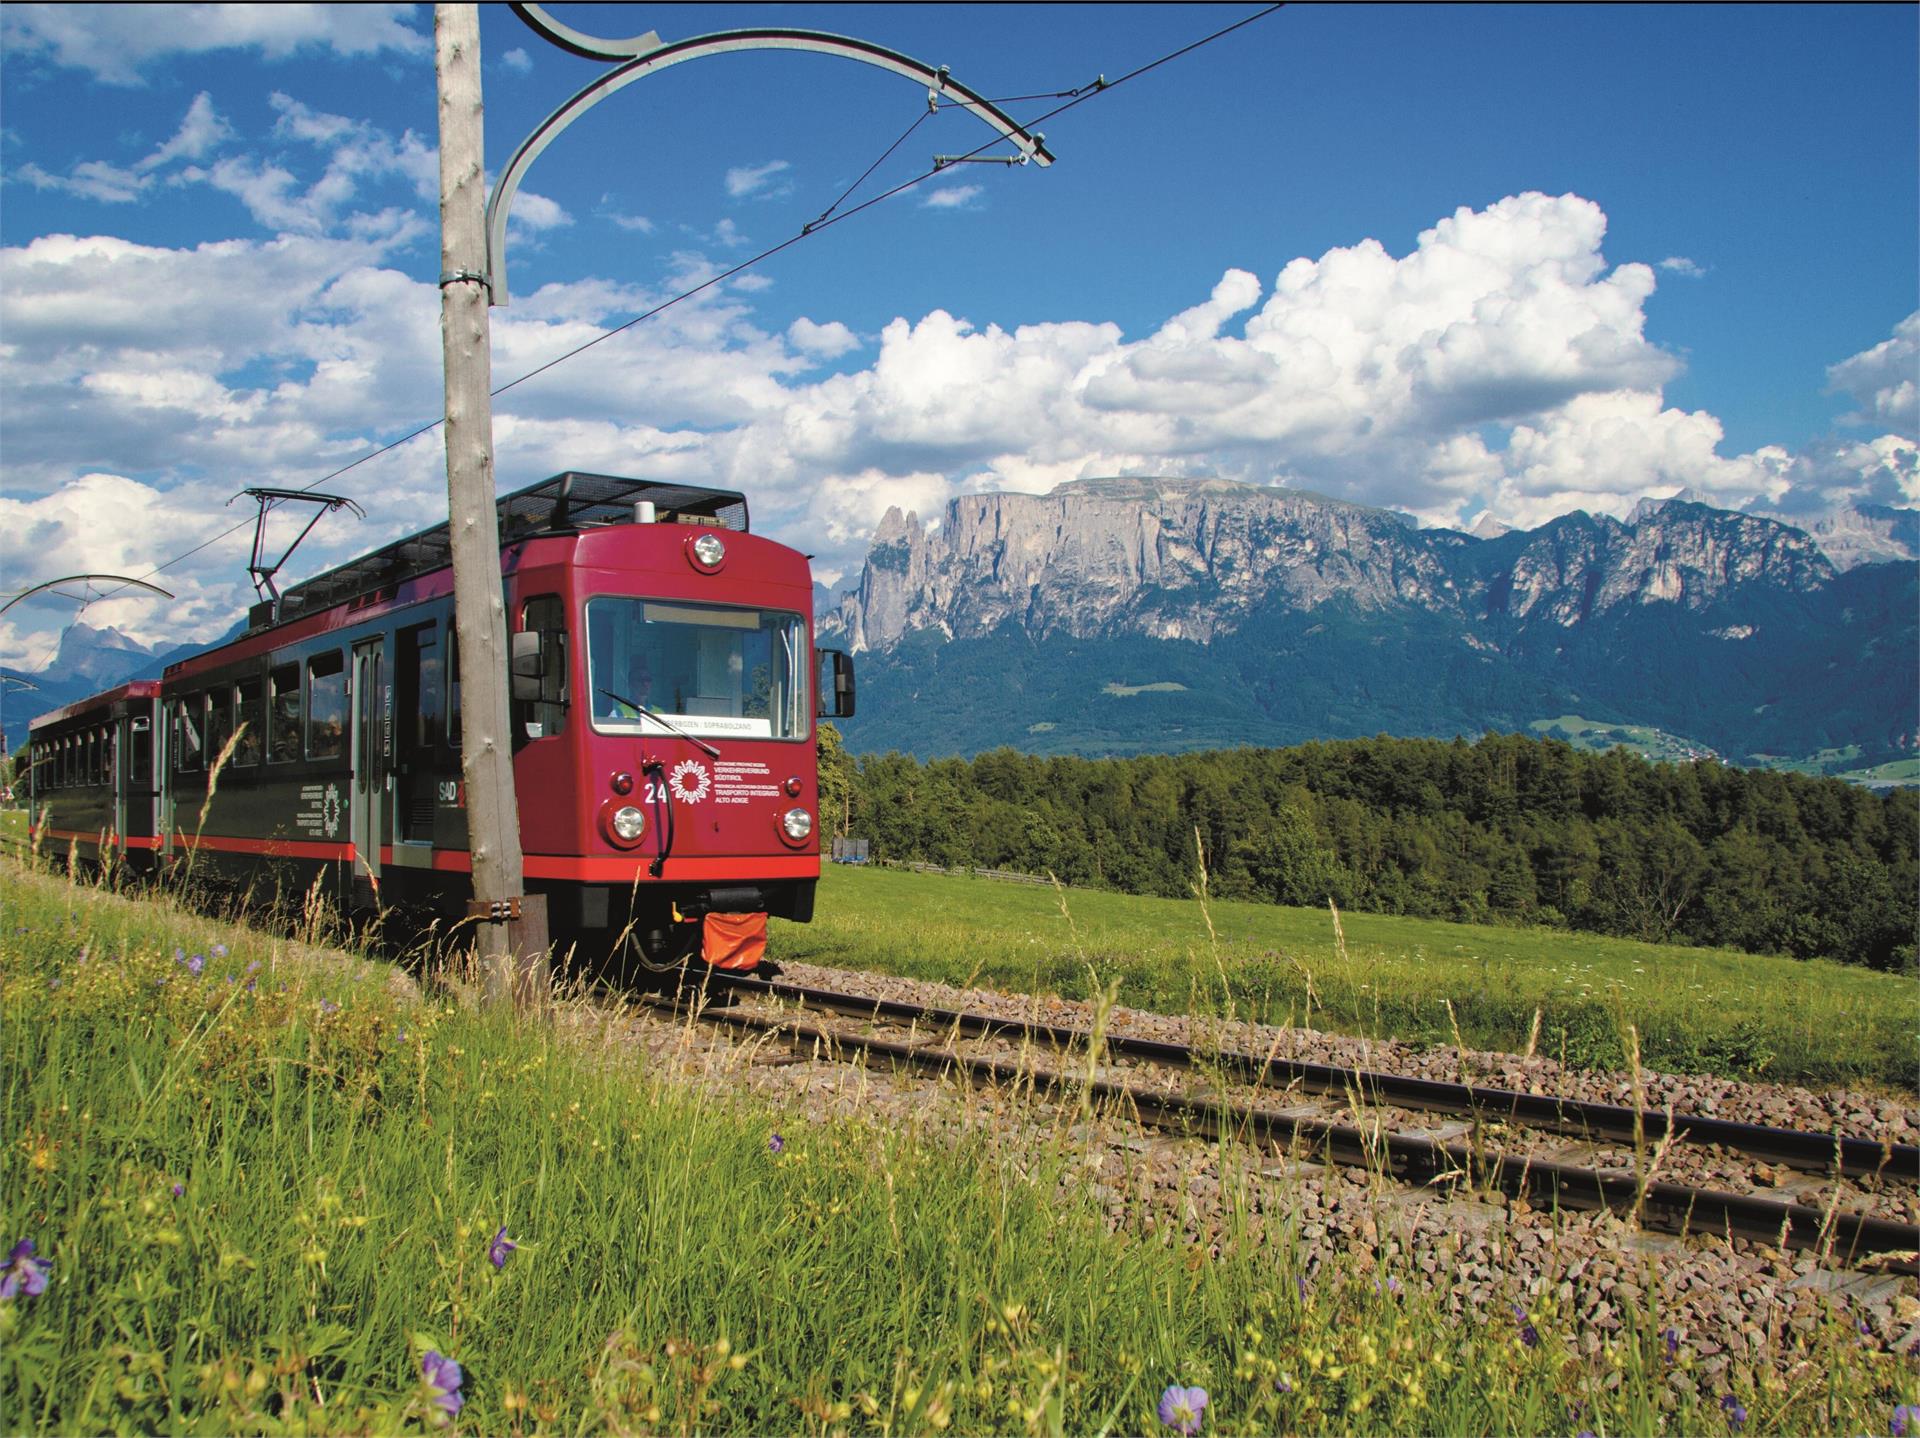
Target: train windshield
{"type": "Point", "coordinates": [712, 671]}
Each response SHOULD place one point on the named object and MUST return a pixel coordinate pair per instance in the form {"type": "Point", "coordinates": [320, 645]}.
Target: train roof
{"type": "Point", "coordinates": [81, 708]}
{"type": "Point", "coordinates": [565, 504]}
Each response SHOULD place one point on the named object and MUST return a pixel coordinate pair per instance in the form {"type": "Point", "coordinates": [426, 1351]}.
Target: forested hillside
{"type": "Point", "coordinates": [1508, 828]}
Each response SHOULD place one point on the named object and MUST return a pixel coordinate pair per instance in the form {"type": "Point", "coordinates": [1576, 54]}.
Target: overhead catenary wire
{"type": "Point", "coordinates": [826, 220]}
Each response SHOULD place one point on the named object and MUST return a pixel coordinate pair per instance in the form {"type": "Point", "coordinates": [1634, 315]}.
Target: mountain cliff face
{"type": "Point", "coordinates": [1141, 613]}
{"type": "Point", "coordinates": [1173, 559]}
{"type": "Point", "coordinates": [1162, 558]}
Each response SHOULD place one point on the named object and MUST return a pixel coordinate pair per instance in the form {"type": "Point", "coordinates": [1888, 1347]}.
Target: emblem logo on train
{"type": "Point", "coordinates": [330, 811]}
{"type": "Point", "coordinates": [689, 781]}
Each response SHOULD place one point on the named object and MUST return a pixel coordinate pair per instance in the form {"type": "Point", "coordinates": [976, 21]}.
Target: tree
{"type": "Point", "coordinates": [837, 782]}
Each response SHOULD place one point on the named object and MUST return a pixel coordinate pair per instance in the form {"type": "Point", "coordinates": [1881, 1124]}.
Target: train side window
{"type": "Point", "coordinates": [140, 756]}
{"type": "Point", "coordinates": [284, 714]}
{"type": "Point", "coordinates": [247, 717]}
{"type": "Point", "coordinates": [419, 674]}
{"type": "Point", "coordinates": [453, 689]}
{"type": "Point", "coordinates": [326, 706]}
{"type": "Point", "coordinates": [219, 727]}
{"type": "Point", "coordinates": [109, 745]}
{"type": "Point", "coordinates": [546, 616]}
{"type": "Point", "coordinates": [188, 748]}
{"type": "Point", "coordinates": [90, 757]}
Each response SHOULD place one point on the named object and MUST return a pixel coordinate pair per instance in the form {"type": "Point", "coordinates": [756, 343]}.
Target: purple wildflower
{"type": "Point", "coordinates": [253, 968]}
{"type": "Point", "coordinates": [24, 1274]}
{"type": "Point", "coordinates": [1905, 1417]}
{"type": "Point", "coordinates": [1672, 1338]}
{"type": "Point", "coordinates": [1529, 1335]}
{"type": "Point", "coordinates": [775, 1144]}
{"type": "Point", "coordinates": [179, 1189]}
{"type": "Point", "coordinates": [498, 1250]}
{"type": "Point", "coordinates": [179, 956]}
{"type": "Point", "coordinates": [328, 1006]}
{"type": "Point", "coordinates": [1736, 1412]}
{"type": "Point", "coordinates": [196, 965]}
{"type": "Point", "coordinates": [443, 1380]}
{"type": "Point", "coordinates": [1180, 1408]}
{"type": "Point", "coordinates": [1301, 1283]}
{"type": "Point", "coordinates": [219, 951]}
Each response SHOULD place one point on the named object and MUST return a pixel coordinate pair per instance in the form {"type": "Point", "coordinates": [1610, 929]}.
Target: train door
{"type": "Point", "coordinates": [372, 746]}
{"type": "Point", "coordinates": [139, 794]}
{"type": "Point", "coordinates": [419, 770]}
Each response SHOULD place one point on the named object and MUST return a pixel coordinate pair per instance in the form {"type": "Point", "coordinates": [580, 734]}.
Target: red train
{"type": "Point", "coordinates": [665, 687]}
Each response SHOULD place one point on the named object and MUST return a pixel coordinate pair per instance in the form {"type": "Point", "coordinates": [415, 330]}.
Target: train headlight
{"type": "Point", "coordinates": [708, 551]}
{"type": "Point", "coordinates": [622, 824]}
{"type": "Point", "coordinates": [797, 825]}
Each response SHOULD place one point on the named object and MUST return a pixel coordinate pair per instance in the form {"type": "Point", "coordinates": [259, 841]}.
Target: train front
{"type": "Point", "coordinates": [692, 691]}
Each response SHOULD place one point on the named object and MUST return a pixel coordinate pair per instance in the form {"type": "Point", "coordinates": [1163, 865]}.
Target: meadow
{"type": "Point", "coordinates": [270, 1188]}
{"type": "Point", "coordinates": [1696, 1010]}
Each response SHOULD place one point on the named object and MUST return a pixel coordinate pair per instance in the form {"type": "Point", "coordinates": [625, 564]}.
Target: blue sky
{"type": "Point", "coordinates": [1454, 260]}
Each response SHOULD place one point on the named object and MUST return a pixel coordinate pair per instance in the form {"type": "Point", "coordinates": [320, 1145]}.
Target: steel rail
{"type": "Point", "coordinates": [1410, 1158]}
{"type": "Point", "coordinates": [1818, 1153]}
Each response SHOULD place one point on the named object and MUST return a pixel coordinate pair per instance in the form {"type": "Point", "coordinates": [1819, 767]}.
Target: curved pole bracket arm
{"type": "Point", "coordinates": [645, 54]}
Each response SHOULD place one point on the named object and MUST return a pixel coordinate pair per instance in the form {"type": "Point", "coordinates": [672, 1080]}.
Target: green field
{"type": "Point", "coordinates": [267, 1184]}
{"type": "Point", "coordinates": [1596, 736]}
{"type": "Point", "coordinates": [1696, 1010]}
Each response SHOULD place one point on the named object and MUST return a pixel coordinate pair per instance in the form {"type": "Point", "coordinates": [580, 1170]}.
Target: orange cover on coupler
{"type": "Point", "coordinates": [734, 941]}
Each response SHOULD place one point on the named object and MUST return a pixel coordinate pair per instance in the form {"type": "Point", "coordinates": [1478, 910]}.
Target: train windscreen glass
{"type": "Point", "coordinates": [712, 671]}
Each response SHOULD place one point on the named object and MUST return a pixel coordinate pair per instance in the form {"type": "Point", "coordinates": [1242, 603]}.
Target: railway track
{"type": "Point", "coordinates": [1488, 1119]}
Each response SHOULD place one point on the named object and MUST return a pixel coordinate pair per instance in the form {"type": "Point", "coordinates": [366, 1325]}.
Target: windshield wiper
{"type": "Point", "coordinates": [634, 704]}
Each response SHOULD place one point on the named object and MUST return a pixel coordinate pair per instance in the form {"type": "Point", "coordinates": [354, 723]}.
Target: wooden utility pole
{"type": "Point", "coordinates": [511, 932]}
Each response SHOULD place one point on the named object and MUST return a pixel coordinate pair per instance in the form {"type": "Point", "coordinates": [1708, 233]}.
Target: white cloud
{"type": "Point", "coordinates": [1500, 364]}
{"type": "Point", "coordinates": [517, 60]}
{"type": "Point", "coordinates": [114, 42]}
{"type": "Point", "coordinates": [537, 212]}
{"type": "Point", "coordinates": [359, 156]}
{"type": "Point", "coordinates": [637, 224]}
{"type": "Point", "coordinates": [950, 197]}
{"type": "Point", "coordinates": [828, 341]}
{"type": "Point", "coordinates": [200, 131]}
{"type": "Point", "coordinates": [746, 180]}
{"type": "Point", "coordinates": [1881, 380]}
{"type": "Point", "coordinates": [1681, 265]}
{"type": "Point", "coordinates": [90, 180]}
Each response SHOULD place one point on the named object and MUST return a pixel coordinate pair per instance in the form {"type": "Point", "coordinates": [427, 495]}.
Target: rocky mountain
{"type": "Point", "coordinates": [87, 661]}
{"type": "Point", "coordinates": [99, 658]}
{"type": "Point", "coordinates": [1116, 614]}
{"type": "Point", "coordinates": [1853, 535]}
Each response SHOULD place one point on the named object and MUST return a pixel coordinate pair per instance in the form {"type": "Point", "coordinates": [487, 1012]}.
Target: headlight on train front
{"type": "Point", "coordinates": [629, 823]}
{"type": "Point", "coordinates": [797, 825]}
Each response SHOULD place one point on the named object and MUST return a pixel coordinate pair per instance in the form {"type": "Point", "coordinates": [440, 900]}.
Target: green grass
{"type": "Point", "coordinates": [1696, 1010]}
{"type": "Point", "coordinates": [1895, 771]}
{"type": "Point", "coordinates": [344, 1156]}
